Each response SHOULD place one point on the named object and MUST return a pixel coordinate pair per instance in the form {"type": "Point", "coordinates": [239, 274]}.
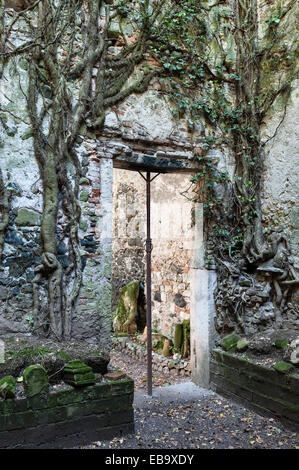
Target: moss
{"type": "Point", "coordinates": [229, 342]}
{"type": "Point", "coordinates": [281, 343]}
{"type": "Point", "coordinates": [7, 387]}
{"type": "Point", "coordinates": [27, 218]}
{"type": "Point", "coordinates": [242, 344]}
{"type": "Point", "coordinates": [27, 135]}
{"type": "Point", "coordinates": [84, 196]}
{"type": "Point", "coordinates": [35, 380]}
{"type": "Point", "coordinates": [77, 374]}
{"type": "Point", "coordinates": [186, 338]}
{"type": "Point", "coordinates": [283, 367]}
{"type": "Point", "coordinates": [63, 355]}
{"type": "Point", "coordinates": [84, 180]}
{"type": "Point", "coordinates": [178, 336]}
{"type": "Point", "coordinates": [125, 313]}
{"type": "Point", "coordinates": [83, 225]}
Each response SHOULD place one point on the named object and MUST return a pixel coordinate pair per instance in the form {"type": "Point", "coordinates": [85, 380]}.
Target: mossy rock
{"type": "Point", "coordinates": [35, 380]}
{"type": "Point", "coordinates": [283, 367]}
{"type": "Point", "coordinates": [84, 180]}
{"type": "Point", "coordinates": [78, 374]}
{"type": "Point", "coordinates": [124, 317]}
{"type": "Point", "coordinates": [27, 135]}
{"type": "Point", "coordinates": [281, 343]}
{"type": "Point", "coordinates": [166, 348]}
{"type": "Point", "coordinates": [242, 344]}
{"type": "Point", "coordinates": [186, 338]}
{"type": "Point", "coordinates": [84, 195]}
{"type": "Point", "coordinates": [28, 218]}
{"type": "Point", "coordinates": [229, 342]}
{"type": "Point", "coordinates": [7, 387]}
{"type": "Point", "coordinates": [178, 336]}
{"type": "Point", "coordinates": [83, 225]}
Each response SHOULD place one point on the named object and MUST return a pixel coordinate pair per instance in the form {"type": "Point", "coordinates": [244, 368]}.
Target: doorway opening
{"type": "Point", "coordinates": [172, 234]}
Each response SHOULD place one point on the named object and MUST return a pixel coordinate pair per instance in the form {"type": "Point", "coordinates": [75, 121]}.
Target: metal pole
{"type": "Point", "coordinates": [148, 283]}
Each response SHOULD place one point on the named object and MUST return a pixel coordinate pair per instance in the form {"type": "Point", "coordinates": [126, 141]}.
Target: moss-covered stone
{"type": "Point", "coordinates": [281, 343]}
{"type": "Point", "coordinates": [35, 380]}
{"type": "Point", "coordinates": [186, 338]}
{"type": "Point", "coordinates": [178, 336]}
{"type": "Point", "coordinates": [84, 196]}
{"type": "Point", "coordinates": [27, 218]}
{"type": "Point", "coordinates": [283, 367]}
{"type": "Point", "coordinates": [229, 342]}
{"type": "Point", "coordinates": [242, 344]}
{"type": "Point", "coordinates": [7, 387]}
{"type": "Point", "coordinates": [84, 180]}
{"type": "Point", "coordinates": [124, 317]}
{"type": "Point", "coordinates": [78, 374]}
{"type": "Point", "coordinates": [83, 225]}
{"type": "Point", "coordinates": [27, 135]}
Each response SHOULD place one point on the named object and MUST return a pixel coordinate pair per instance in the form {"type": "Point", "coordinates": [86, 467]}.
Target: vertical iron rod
{"type": "Point", "coordinates": [148, 283]}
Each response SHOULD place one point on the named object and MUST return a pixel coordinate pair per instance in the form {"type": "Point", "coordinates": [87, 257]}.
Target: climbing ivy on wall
{"type": "Point", "coordinates": [215, 65]}
{"type": "Point", "coordinates": [237, 66]}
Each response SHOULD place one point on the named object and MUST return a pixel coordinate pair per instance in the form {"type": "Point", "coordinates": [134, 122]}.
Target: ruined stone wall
{"type": "Point", "coordinates": [129, 130]}
{"type": "Point", "coordinates": [143, 127]}
{"type": "Point", "coordinates": [280, 193]}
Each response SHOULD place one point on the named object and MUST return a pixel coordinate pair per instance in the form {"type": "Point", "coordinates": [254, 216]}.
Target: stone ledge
{"type": "Point", "coordinates": [94, 412]}
{"type": "Point", "coordinates": [262, 389]}
{"type": "Point", "coordinates": [159, 362]}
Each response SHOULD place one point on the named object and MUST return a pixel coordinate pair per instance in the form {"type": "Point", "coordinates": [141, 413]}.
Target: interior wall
{"type": "Point", "coordinates": [172, 238]}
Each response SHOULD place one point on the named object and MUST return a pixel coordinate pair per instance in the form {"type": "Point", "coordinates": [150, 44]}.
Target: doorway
{"type": "Point", "coordinates": [181, 285]}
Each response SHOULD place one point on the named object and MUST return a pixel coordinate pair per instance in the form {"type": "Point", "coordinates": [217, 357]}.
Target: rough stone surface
{"type": "Point", "coordinates": [230, 342]}
{"type": "Point", "coordinates": [78, 374]}
{"type": "Point", "coordinates": [35, 380]}
{"type": "Point", "coordinates": [7, 387]}
{"type": "Point", "coordinates": [68, 416]}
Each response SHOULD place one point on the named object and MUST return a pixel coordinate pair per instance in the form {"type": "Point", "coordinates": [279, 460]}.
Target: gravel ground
{"type": "Point", "coordinates": [183, 416]}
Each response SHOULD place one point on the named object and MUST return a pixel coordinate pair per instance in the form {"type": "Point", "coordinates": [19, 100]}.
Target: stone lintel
{"type": "Point", "coordinates": [137, 162]}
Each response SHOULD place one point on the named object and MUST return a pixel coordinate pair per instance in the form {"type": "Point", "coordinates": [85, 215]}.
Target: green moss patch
{"type": "Point", "coordinates": [35, 380]}
{"type": "Point", "coordinates": [229, 342]}
{"type": "Point", "coordinates": [28, 218]}
{"type": "Point", "coordinates": [283, 367]}
{"type": "Point", "coordinates": [7, 387]}
{"type": "Point", "coordinates": [78, 374]}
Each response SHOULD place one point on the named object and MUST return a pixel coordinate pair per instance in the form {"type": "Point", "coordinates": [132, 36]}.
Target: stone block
{"type": "Point", "coordinates": [7, 387]}
{"type": "Point", "coordinates": [229, 342]}
{"type": "Point", "coordinates": [35, 380]}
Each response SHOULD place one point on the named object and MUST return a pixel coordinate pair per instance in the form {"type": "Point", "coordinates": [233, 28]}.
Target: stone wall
{"type": "Point", "coordinates": [141, 131]}
{"type": "Point", "coordinates": [259, 387]}
{"type": "Point", "coordinates": [280, 195]}
{"type": "Point", "coordinates": [68, 417]}
{"type": "Point", "coordinates": [172, 238]}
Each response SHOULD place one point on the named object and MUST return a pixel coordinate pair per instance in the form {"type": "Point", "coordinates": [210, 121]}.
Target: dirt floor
{"type": "Point", "coordinates": [182, 416]}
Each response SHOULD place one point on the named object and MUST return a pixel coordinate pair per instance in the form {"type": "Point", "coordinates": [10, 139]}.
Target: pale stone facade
{"type": "Point", "coordinates": [141, 133]}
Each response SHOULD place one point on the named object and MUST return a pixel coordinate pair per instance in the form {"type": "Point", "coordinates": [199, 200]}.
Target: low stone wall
{"type": "Point", "coordinates": [160, 363]}
{"type": "Point", "coordinates": [258, 387]}
{"type": "Point", "coordinates": [68, 417]}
